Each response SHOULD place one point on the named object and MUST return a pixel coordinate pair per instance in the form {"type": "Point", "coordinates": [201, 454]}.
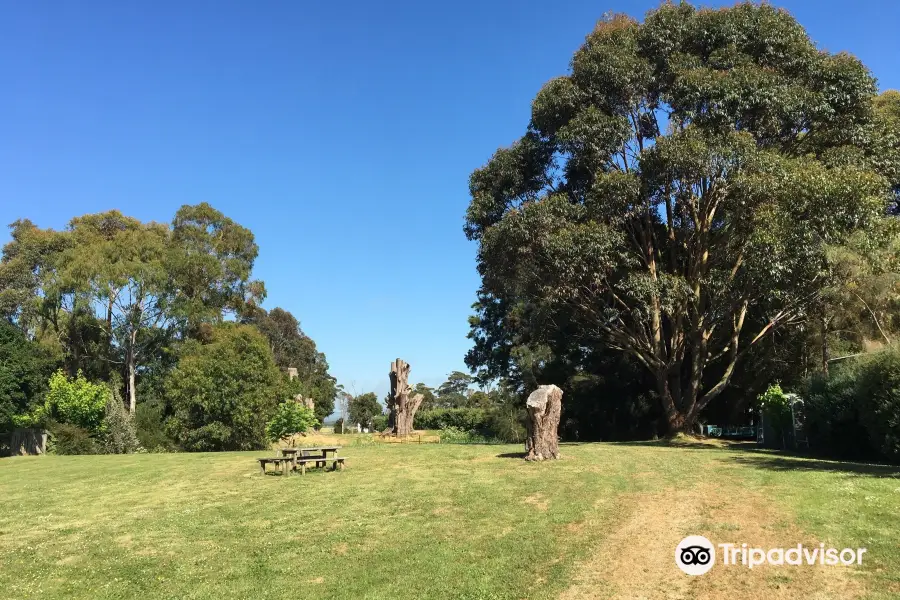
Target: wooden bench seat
{"type": "Point", "coordinates": [278, 461]}
{"type": "Point", "coordinates": [337, 462]}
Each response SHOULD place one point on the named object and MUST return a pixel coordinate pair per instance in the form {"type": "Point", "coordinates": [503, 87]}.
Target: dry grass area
{"type": "Point", "coordinates": [440, 521]}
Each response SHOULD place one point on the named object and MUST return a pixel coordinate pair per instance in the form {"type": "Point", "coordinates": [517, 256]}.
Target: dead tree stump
{"type": "Point", "coordinates": [27, 441]}
{"type": "Point", "coordinates": [543, 406]}
{"type": "Point", "coordinates": [403, 408]}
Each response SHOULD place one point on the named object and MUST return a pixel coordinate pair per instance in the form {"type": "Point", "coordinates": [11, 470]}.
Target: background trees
{"type": "Point", "coordinates": [364, 408]}
{"type": "Point", "coordinates": [223, 392]}
{"type": "Point", "coordinates": [294, 349]}
{"type": "Point", "coordinates": [674, 199]}
{"type": "Point", "coordinates": [130, 304]}
{"type": "Point", "coordinates": [25, 368]}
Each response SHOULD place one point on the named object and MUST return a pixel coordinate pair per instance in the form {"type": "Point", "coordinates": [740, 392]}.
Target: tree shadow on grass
{"type": "Point", "coordinates": [778, 463]}
{"type": "Point", "coordinates": [518, 455]}
{"type": "Point", "coordinates": [748, 453]}
{"type": "Point", "coordinates": [699, 444]}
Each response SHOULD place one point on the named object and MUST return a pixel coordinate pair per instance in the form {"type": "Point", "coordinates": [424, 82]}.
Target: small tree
{"type": "Point", "coordinates": [120, 436]}
{"type": "Point", "coordinates": [364, 408]}
{"type": "Point", "coordinates": [75, 402]}
{"type": "Point", "coordinates": [776, 406]}
{"type": "Point", "coordinates": [291, 418]}
{"type": "Point", "coordinates": [223, 392]}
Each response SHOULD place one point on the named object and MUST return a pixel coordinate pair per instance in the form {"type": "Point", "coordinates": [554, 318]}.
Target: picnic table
{"type": "Point", "coordinates": [319, 455]}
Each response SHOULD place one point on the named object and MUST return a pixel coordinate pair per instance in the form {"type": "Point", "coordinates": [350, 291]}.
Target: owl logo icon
{"type": "Point", "coordinates": [695, 555]}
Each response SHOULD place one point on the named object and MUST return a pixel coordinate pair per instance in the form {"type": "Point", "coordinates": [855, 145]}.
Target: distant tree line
{"type": "Point", "coordinates": [165, 316]}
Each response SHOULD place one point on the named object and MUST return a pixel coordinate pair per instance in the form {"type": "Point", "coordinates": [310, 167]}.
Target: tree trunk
{"type": "Point", "coordinates": [130, 359]}
{"type": "Point", "coordinates": [403, 408]}
{"type": "Point", "coordinates": [544, 406]}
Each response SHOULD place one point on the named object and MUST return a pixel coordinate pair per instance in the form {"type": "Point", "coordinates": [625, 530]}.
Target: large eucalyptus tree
{"type": "Point", "coordinates": [674, 194]}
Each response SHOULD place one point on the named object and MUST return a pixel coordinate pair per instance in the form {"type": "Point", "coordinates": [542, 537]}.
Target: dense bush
{"type": "Point", "coordinates": [66, 438]}
{"type": "Point", "coordinates": [507, 423]}
{"type": "Point", "coordinates": [455, 435]}
{"type": "Point", "coordinates": [24, 369]}
{"type": "Point", "coordinates": [878, 391]}
{"type": "Point", "coordinates": [149, 423]}
{"type": "Point", "coordinates": [855, 413]}
{"type": "Point", "coordinates": [776, 407]}
{"type": "Point", "coordinates": [76, 402]}
{"type": "Point", "coordinates": [119, 436]}
{"type": "Point", "coordinates": [223, 393]}
{"type": "Point", "coordinates": [466, 419]}
{"type": "Point", "coordinates": [379, 422]}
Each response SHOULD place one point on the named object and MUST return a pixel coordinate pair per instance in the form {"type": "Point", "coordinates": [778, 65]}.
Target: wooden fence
{"type": "Point", "coordinates": [23, 441]}
{"type": "Point", "coordinates": [414, 438]}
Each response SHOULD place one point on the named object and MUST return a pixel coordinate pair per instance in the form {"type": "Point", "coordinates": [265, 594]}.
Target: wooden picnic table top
{"type": "Point", "coordinates": [319, 448]}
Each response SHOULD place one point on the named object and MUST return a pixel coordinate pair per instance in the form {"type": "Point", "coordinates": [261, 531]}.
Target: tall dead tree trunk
{"type": "Point", "coordinates": [544, 406]}
{"type": "Point", "coordinates": [403, 408]}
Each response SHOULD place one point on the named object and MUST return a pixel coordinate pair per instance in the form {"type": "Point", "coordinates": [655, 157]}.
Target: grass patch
{"type": "Point", "coordinates": [402, 521]}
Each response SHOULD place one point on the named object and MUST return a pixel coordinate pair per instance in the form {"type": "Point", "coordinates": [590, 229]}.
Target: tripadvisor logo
{"type": "Point", "coordinates": [695, 555]}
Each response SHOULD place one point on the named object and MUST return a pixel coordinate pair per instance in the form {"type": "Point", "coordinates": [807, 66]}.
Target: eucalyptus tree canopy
{"type": "Point", "coordinates": [674, 195]}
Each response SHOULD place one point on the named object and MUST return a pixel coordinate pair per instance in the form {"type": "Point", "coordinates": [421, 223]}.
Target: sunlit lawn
{"type": "Point", "coordinates": [401, 521]}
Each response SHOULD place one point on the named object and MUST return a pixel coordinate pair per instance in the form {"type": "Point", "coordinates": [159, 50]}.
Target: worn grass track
{"type": "Point", "coordinates": [437, 521]}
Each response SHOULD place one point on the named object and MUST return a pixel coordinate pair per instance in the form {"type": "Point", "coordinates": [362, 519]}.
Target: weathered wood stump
{"type": "Point", "coordinates": [403, 408]}
{"type": "Point", "coordinates": [27, 441]}
{"type": "Point", "coordinates": [543, 406]}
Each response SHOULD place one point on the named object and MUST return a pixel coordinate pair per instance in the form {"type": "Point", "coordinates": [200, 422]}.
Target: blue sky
{"type": "Point", "coordinates": [341, 133]}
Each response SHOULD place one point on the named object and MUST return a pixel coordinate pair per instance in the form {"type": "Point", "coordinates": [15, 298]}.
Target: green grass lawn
{"type": "Point", "coordinates": [426, 521]}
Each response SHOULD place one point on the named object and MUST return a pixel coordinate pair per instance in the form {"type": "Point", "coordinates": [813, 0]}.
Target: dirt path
{"type": "Point", "coordinates": [636, 560]}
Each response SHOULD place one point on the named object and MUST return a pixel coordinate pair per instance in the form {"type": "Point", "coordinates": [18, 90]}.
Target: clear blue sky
{"type": "Point", "coordinates": [341, 133]}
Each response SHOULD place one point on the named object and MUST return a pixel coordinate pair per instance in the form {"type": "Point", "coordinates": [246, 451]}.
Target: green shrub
{"type": "Point", "coordinates": [466, 419]}
{"type": "Point", "coordinates": [878, 392]}
{"type": "Point", "coordinates": [776, 406]}
{"type": "Point", "coordinates": [455, 435]}
{"type": "Point", "coordinates": [150, 427]}
{"type": "Point", "coordinates": [833, 424]}
{"type": "Point", "coordinates": [75, 402]}
{"type": "Point", "coordinates": [119, 436]}
{"type": "Point", "coordinates": [855, 413]}
{"type": "Point", "coordinates": [339, 426]}
{"type": "Point", "coordinates": [379, 422]}
{"type": "Point", "coordinates": [24, 368]}
{"type": "Point", "coordinates": [223, 392]}
{"type": "Point", "coordinates": [291, 417]}
{"type": "Point", "coordinates": [66, 438]}
{"type": "Point", "coordinates": [507, 423]}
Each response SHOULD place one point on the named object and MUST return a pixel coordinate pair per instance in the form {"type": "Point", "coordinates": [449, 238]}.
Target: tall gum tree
{"type": "Point", "coordinates": [675, 193]}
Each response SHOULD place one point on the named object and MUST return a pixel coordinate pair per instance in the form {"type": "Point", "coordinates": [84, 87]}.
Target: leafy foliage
{"type": "Point", "coordinates": [465, 419]}
{"type": "Point", "coordinates": [150, 427]}
{"type": "Point", "coordinates": [76, 401]}
{"type": "Point", "coordinates": [291, 418]}
{"type": "Point", "coordinates": [66, 438]}
{"type": "Point", "coordinates": [119, 436]}
{"type": "Point", "coordinates": [223, 393]}
{"type": "Point", "coordinates": [294, 349]}
{"type": "Point", "coordinates": [24, 369]}
{"type": "Point", "coordinates": [855, 412]}
{"type": "Point", "coordinates": [123, 301]}
{"type": "Point", "coordinates": [364, 408]}
{"type": "Point", "coordinates": [673, 199]}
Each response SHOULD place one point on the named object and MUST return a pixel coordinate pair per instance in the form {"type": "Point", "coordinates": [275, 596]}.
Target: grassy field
{"type": "Point", "coordinates": [439, 521]}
